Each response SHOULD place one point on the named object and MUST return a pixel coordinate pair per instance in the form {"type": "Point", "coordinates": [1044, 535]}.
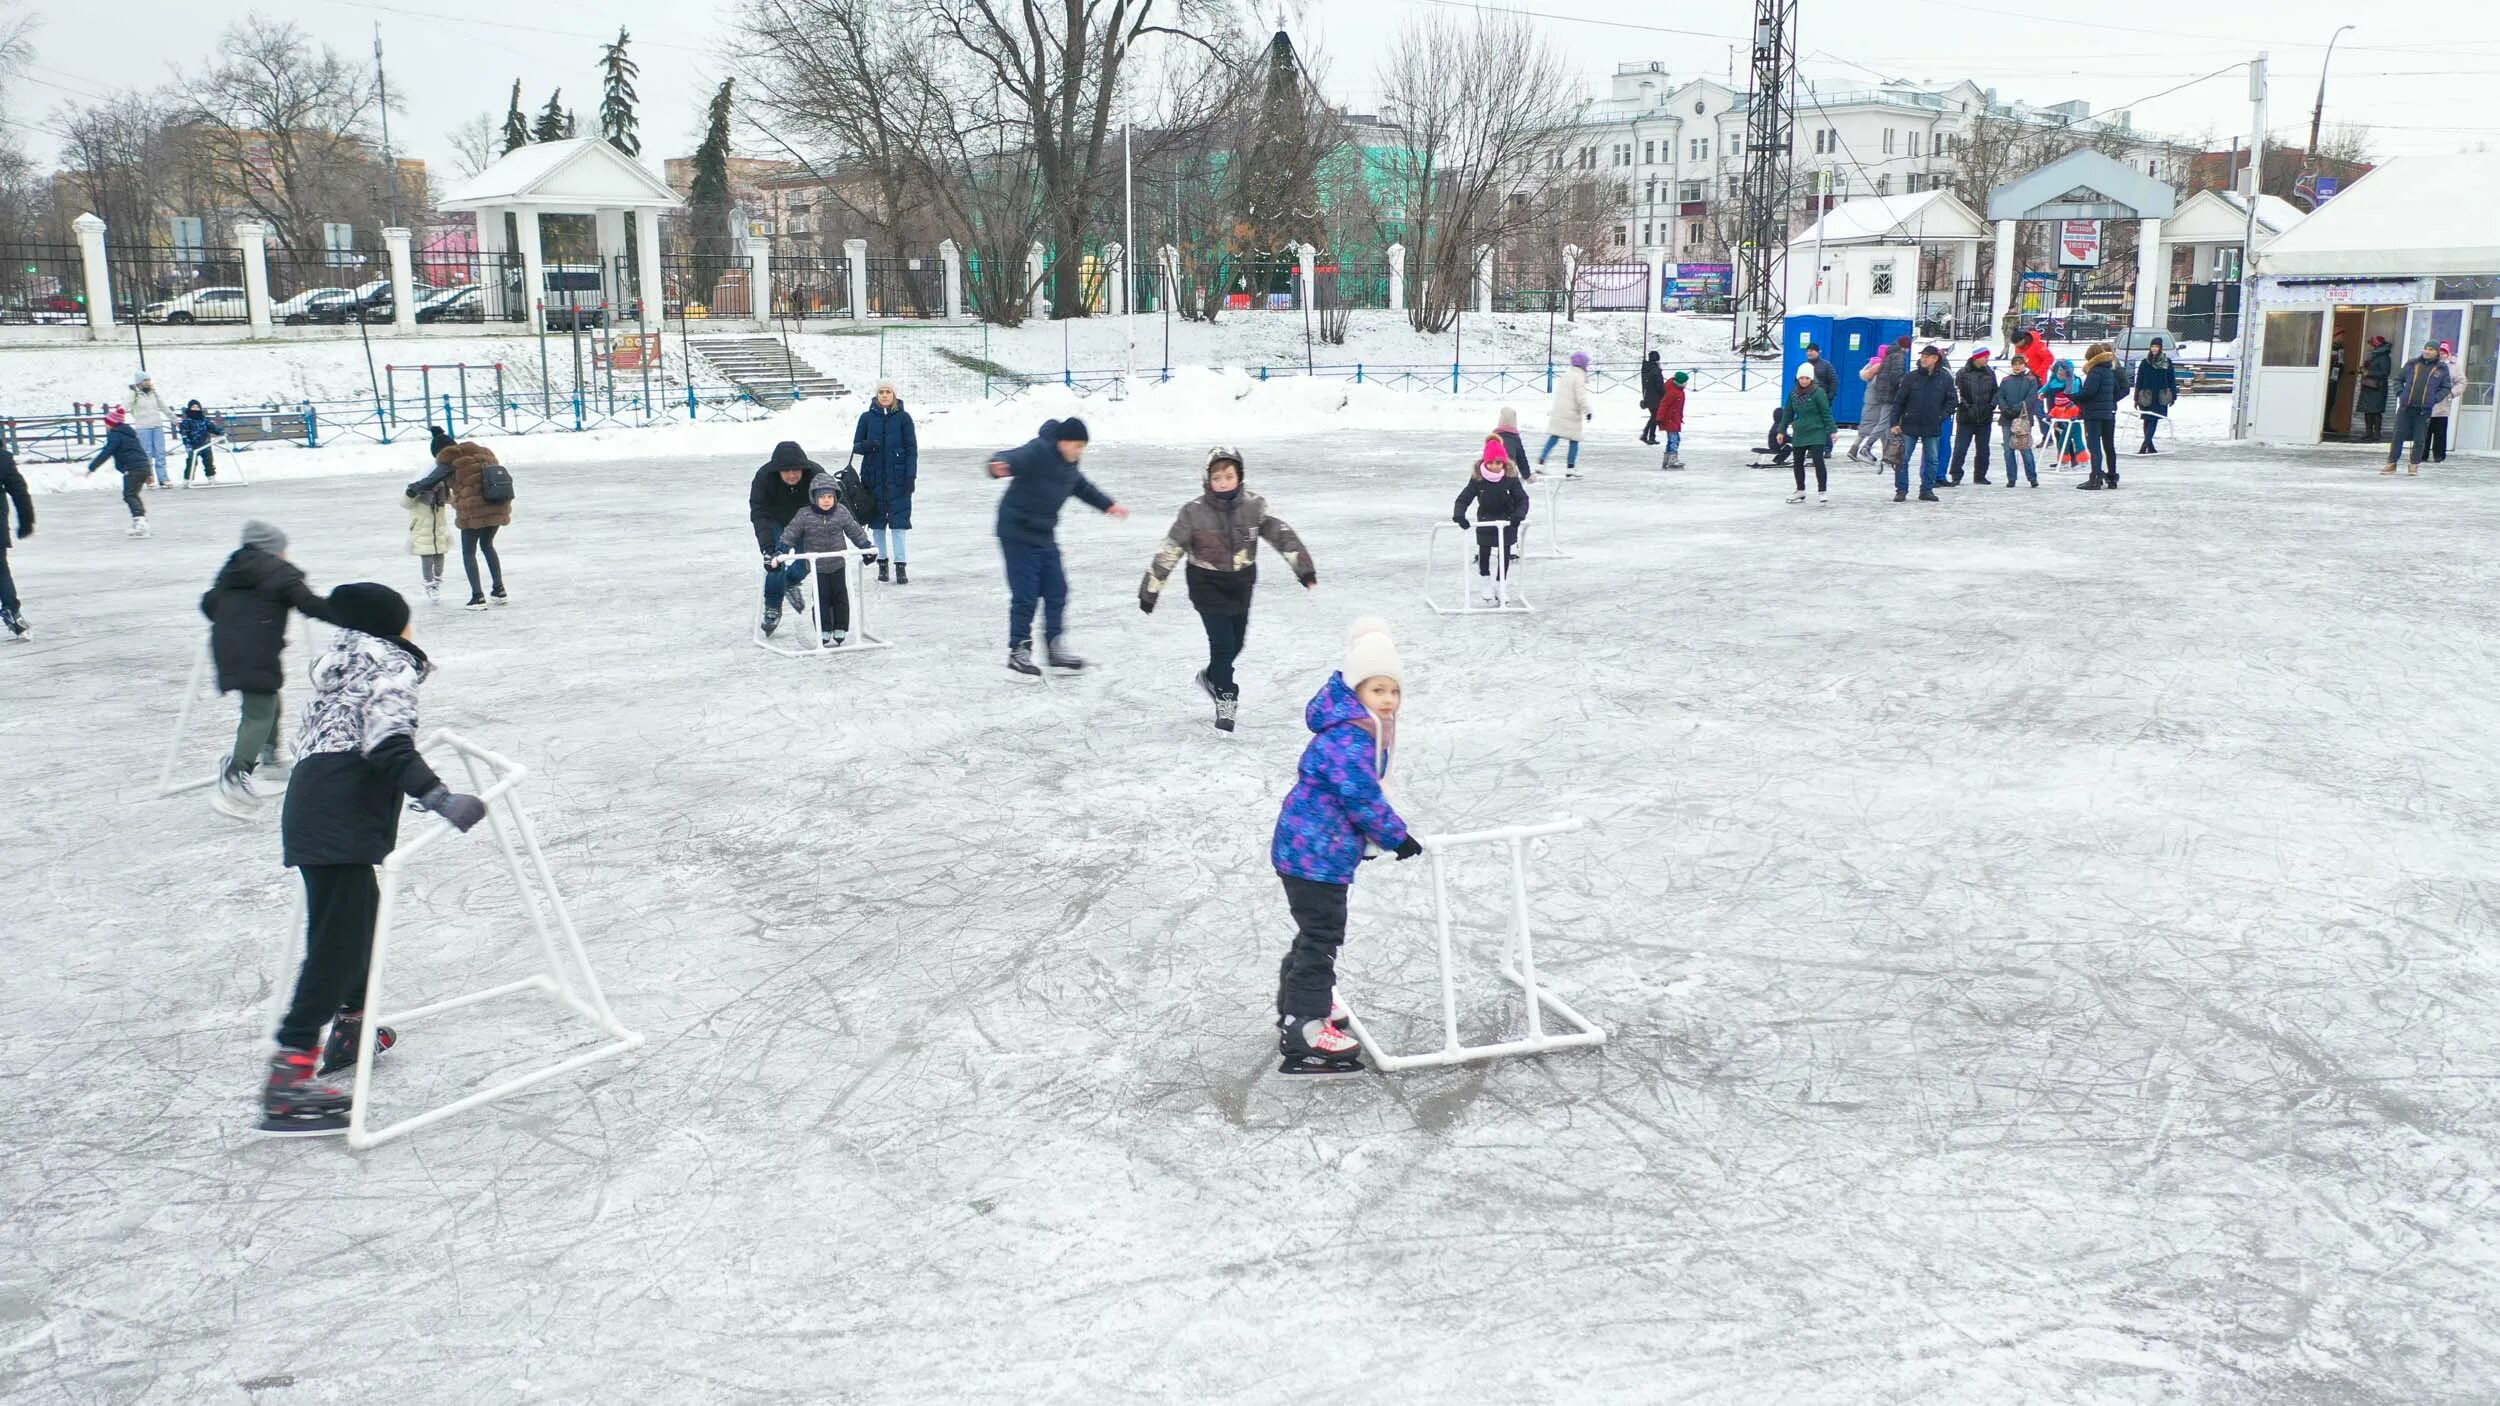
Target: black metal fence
{"type": "Point", "coordinates": [316, 286]}
{"type": "Point", "coordinates": [906, 286]}
{"type": "Point", "coordinates": [155, 284]}
{"type": "Point", "coordinates": [1346, 282]}
{"type": "Point", "coordinates": [470, 286]}
{"type": "Point", "coordinates": [42, 283]}
{"type": "Point", "coordinates": [811, 286]}
{"type": "Point", "coordinates": [699, 286]}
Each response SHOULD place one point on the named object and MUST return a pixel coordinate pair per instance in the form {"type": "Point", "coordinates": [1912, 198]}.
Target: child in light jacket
{"type": "Point", "coordinates": [1218, 533]}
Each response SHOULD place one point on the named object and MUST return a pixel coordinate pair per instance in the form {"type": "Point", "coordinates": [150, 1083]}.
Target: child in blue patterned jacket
{"type": "Point", "coordinates": [1335, 817]}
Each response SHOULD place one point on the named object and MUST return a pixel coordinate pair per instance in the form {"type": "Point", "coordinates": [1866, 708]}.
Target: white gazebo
{"type": "Point", "coordinates": [2085, 185]}
{"type": "Point", "coordinates": [2217, 220]}
{"type": "Point", "coordinates": [1853, 254]}
{"type": "Point", "coordinates": [578, 176]}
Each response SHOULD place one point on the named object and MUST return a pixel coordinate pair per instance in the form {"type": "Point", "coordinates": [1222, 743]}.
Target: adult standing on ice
{"type": "Point", "coordinates": [2157, 389]}
{"type": "Point", "coordinates": [1045, 476]}
{"type": "Point", "coordinates": [2371, 397]}
{"type": "Point", "coordinates": [1883, 377]}
{"type": "Point", "coordinates": [2097, 398]}
{"type": "Point", "coordinates": [1571, 412]}
{"type": "Point", "coordinates": [888, 447]}
{"type": "Point", "coordinates": [149, 417]}
{"type": "Point", "coordinates": [2420, 388]}
{"type": "Point", "coordinates": [1810, 431]}
{"type": "Point", "coordinates": [775, 497]}
{"type": "Point", "coordinates": [1927, 396]}
{"type": "Point", "coordinates": [1653, 385]}
{"type": "Point", "coordinates": [13, 490]}
{"type": "Point", "coordinates": [1218, 534]}
{"type": "Point", "coordinates": [121, 445]}
{"type": "Point", "coordinates": [476, 510]}
{"type": "Point", "coordinates": [2446, 408]}
{"type": "Point", "coordinates": [1975, 387]}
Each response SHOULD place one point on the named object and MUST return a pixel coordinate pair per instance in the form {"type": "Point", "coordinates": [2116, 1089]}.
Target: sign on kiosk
{"type": "Point", "coordinates": [2079, 244]}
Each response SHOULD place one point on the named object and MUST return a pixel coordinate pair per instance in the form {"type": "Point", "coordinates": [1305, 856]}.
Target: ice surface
{"type": "Point", "coordinates": [2046, 942]}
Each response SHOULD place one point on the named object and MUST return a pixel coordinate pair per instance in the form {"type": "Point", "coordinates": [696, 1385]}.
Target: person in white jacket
{"type": "Point", "coordinates": [149, 417]}
{"type": "Point", "coordinates": [2441, 412]}
{"type": "Point", "coordinates": [1571, 411]}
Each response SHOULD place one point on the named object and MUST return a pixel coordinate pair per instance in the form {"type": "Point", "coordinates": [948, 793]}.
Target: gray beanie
{"type": "Point", "coordinates": [264, 536]}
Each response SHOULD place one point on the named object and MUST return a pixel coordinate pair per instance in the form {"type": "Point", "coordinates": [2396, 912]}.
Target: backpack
{"type": "Point", "coordinates": [855, 494]}
{"type": "Point", "coordinates": [2118, 373]}
{"type": "Point", "coordinates": [494, 483]}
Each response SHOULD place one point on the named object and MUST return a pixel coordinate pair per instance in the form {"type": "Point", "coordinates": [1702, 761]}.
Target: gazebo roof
{"type": "Point", "coordinates": [2083, 185]}
{"type": "Point", "coordinates": [1930, 217]}
{"type": "Point", "coordinates": [2221, 217]}
{"type": "Point", "coordinates": [579, 174]}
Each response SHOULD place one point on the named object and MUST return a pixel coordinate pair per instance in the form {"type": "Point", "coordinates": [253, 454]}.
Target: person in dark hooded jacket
{"type": "Point", "coordinates": [1653, 385]}
{"type": "Point", "coordinates": [2370, 398]}
{"type": "Point", "coordinates": [247, 619]}
{"type": "Point", "coordinates": [775, 497]}
{"type": "Point", "coordinates": [199, 431]}
{"type": "Point", "coordinates": [121, 446]}
{"type": "Point", "coordinates": [1044, 476]}
{"type": "Point", "coordinates": [1975, 386]}
{"type": "Point", "coordinates": [2098, 400]}
{"type": "Point", "coordinates": [13, 495]}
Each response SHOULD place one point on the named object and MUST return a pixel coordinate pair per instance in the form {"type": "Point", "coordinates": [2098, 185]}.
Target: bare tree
{"type": "Point", "coordinates": [283, 125]}
{"type": "Point", "coordinates": [20, 191]}
{"type": "Point", "coordinates": [997, 116]}
{"type": "Point", "coordinates": [475, 144]}
{"type": "Point", "coordinates": [1471, 142]}
{"type": "Point", "coordinates": [112, 152]}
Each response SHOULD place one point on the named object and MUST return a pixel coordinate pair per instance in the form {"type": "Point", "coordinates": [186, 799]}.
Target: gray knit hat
{"type": "Point", "coordinates": [264, 536]}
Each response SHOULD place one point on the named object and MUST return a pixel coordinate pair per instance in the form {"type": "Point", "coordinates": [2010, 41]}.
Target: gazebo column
{"type": "Point", "coordinates": [1966, 272]}
{"type": "Point", "coordinates": [2001, 294]}
{"type": "Point", "coordinates": [533, 270]}
{"type": "Point", "coordinates": [608, 232]}
{"type": "Point", "coordinates": [2152, 279]}
{"type": "Point", "coordinates": [648, 290]}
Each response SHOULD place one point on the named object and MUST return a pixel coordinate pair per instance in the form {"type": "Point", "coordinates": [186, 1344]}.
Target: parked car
{"type": "Point", "coordinates": [303, 307]}
{"type": "Point", "coordinates": [372, 301]}
{"type": "Point", "coordinates": [219, 304]}
{"type": "Point", "coordinates": [466, 303]}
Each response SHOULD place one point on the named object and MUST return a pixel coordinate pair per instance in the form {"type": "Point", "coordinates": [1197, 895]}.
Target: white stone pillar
{"type": "Point", "coordinates": [1114, 280]}
{"type": "Point", "coordinates": [1305, 260]}
{"type": "Point", "coordinates": [1484, 278]}
{"type": "Point", "coordinates": [760, 280]}
{"type": "Point", "coordinates": [533, 270]}
{"type": "Point", "coordinates": [1397, 278]}
{"type": "Point", "coordinates": [2001, 293]}
{"type": "Point", "coordinates": [403, 282]}
{"type": "Point", "coordinates": [1168, 264]}
{"type": "Point", "coordinates": [99, 273]}
{"type": "Point", "coordinates": [1037, 304]}
{"type": "Point", "coordinates": [649, 291]}
{"type": "Point", "coordinates": [2152, 279]}
{"type": "Point", "coordinates": [1657, 282]}
{"type": "Point", "coordinates": [855, 269]}
{"type": "Point", "coordinates": [254, 237]}
{"type": "Point", "coordinates": [951, 263]}
{"type": "Point", "coordinates": [1571, 280]}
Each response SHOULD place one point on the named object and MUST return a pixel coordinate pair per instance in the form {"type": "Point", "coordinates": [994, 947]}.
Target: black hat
{"type": "Point", "coordinates": [1653, 356]}
{"type": "Point", "coordinates": [1070, 428]}
{"type": "Point", "coordinates": [370, 607]}
{"type": "Point", "coordinates": [787, 455]}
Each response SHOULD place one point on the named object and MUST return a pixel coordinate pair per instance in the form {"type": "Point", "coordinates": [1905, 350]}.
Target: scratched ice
{"type": "Point", "coordinates": [2046, 941]}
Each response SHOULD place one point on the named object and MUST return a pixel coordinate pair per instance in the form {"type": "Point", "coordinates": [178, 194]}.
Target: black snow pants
{"type": "Point", "coordinates": [340, 901]}
{"type": "Point", "coordinates": [1225, 634]}
{"type": "Point", "coordinates": [1307, 980]}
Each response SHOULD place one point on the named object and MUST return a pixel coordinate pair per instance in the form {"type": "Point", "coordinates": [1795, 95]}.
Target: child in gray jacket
{"type": "Point", "coordinates": [824, 525]}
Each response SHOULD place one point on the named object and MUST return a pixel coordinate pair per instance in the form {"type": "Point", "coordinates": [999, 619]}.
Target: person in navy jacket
{"type": "Point", "coordinates": [889, 466]}
{"type": "Point", "coordinates": [1044, 476]}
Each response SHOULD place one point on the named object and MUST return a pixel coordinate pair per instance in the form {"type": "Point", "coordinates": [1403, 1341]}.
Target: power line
{"type": "Point", "coordinates": [1561, 18]}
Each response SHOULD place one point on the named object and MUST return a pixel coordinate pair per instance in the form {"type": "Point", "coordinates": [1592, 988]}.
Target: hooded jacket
{"type": "Point", "coordinates": [813, 530]}
{"type": "Point", "coordinates": [1220, 541]}
{"type": "Point", "coordinates": [2039, 358]}
{"type": "Point", "coordinates": [1336, 803]}
{"type": "Point", "coordinates": [1810, 423]}
{"type": "Point", "coordinates": [1927, 397]}
{"type": "Point", "coordinates": [1653, 381]}
{"type": "Point", "coordinates": [2370, 397]}
{"type": "Point", "coordinates": [1891, 369]}
{"type": "Point", "coordinates": [888, 446]}
{"type": "Point", "coordinates": [1671, 409]}
{"type": "Point", "coordinates": [13, 489]}
{"type": "Point", "coordinates": [2098, 395]}
{"type": "Point", "coordinates": [147, 409]}
{"type": "Point", "coordinates": [246, 611]}
{"type": "Point", "coordinates": [771, 503]}
{"type": "Point", "coordinates": [1569, 417]}
{"type": "Point", "coordinates": [1040, 483]}
{"type": "Point", "coordinates": [1976, 385]}
{"type": "Point", "coordinates": [356, 753]}
{"type": "Point", "coordinates": [198, 430]}
{"type": "Point", "coordinates": [429, 527]}
{"type": "Point", "coordinates": [1503, 500]}
{"type": "Point", "coordinates": [2423, 384]}
{"type": "Point", "coordinates": [121, 445]}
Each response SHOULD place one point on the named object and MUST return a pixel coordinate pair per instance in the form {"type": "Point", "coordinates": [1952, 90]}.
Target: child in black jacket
{"type": "Point", "coordinates": [247, 619]}
{"type": "Point", "coordinates": [1501, 505]}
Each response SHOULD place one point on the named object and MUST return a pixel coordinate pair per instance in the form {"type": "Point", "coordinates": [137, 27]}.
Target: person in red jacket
{"type": "Point", "coordinates": [2034, 350]}
{"type": "Point", "coordinates": [1670, 418]}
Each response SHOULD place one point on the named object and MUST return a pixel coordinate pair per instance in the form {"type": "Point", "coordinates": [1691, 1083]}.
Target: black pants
{"type": "Point", "coordinates": [205, 456]}
{"type": "Point", "coordinates": [1822, 477]}
{"type": "Point", "coordinates": [339, 905]}
{"type": "Point", "coordinates": [2438, 440]}
{"type": "Point", "coordinates": [8, 585]}
{"type": "Point", "coordinates": [833, 599]}
{"type": "Point", "coordinates": [2413, 427]}
{"type": "Point", "coordinates": [472, 541]}
{"type": "Point", "coordinates": [1966, 433]}
{"type": "Point", "coordinates": [1649, 423]}
{"type": "Point", "coordinates": [1225, 634]}
{"type": "Point", "coordinates": [1490, 539]}
{"type": "Point", "coordinates": [132, 483]}
{"type": "Point", "coordinates": [1308, 978]}
{"type": "Point", "coordinates": [2100, 438]}
{"type": "Point", "coordinates": [2372, 419]}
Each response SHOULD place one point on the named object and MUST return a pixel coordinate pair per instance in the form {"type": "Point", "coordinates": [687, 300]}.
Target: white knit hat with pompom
{"type": "Point", "coordinates": [1370, 653]}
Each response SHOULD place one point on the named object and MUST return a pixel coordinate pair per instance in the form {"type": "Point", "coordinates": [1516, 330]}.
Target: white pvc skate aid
{"type": "Point", "coordinates": [1518, 963]}
{"type": "Point", "coordinates": [808, 642]}
{"type": "Point", "coordinates": [203, 681]}
{"type": "Point", "coordinates": [566, 973]}
{"type": "Point", "coordinates": [1507, 597]}
{"type": "Point", "coordinates": [1549, 491]}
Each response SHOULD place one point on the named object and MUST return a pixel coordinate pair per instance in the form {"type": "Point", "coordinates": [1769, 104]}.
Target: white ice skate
{"type": "Point", "coordinates": [1797, 497]}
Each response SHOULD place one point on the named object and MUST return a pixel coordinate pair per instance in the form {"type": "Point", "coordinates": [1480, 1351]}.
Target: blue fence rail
{"type": "Point", "coordinates": [75, 437]}
{"type": "Point", "coordinates": [1444, 378]}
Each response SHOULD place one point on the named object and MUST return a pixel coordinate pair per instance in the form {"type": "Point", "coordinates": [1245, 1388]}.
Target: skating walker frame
{"type": "Point", "coordinates": [1550, 488]}
{"type": "Point", "coordinates": [1518, 963]}
{"type": "Point", "coordinates": [202, 679]}
{"type": "Point", "coordinates": [567, 975]}
{"type": "Point", "coordinates": [810, 644]}
{"type": "Point", "coordinates": [1512, 602]}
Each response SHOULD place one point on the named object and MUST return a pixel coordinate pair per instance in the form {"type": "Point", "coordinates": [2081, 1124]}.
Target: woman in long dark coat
{"type": "Point", "coordinates": [889, 467]}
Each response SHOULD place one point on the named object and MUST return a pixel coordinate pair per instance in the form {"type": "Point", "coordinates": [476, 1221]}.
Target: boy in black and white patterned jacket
{"type": "Point", "coordinates": [356, 755]}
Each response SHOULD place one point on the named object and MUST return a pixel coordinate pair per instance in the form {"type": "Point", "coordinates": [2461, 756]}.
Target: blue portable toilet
{"type": "Point", "coordinates": [1849, 340]}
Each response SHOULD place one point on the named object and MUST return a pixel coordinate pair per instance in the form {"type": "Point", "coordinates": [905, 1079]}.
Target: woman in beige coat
{"type": "Point", "coordinates": [1571, 411]}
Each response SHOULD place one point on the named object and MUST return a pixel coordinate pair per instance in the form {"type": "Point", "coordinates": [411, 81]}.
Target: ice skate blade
{"type": "Point", "coordinates": [326, 1125]}
{"type": "Point", "coordinates": [1319, 1067]}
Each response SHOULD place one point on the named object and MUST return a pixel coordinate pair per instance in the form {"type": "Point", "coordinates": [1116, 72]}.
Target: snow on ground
{"type": "Point", "coordinates": [2045, 939]}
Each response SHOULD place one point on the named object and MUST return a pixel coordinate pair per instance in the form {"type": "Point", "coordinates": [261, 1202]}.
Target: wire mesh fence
{"type": "Point", "coordinates": [156, 284]}
{"type": "Point", "coordinates": [42, 283]}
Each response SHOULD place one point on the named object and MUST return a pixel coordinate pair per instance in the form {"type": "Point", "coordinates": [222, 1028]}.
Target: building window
{"type": "Point", "coordinates": [1883, 184]}
{"type": "Point", "coordinates": [1649, 153]}
{"type": "Point", "coordinates": [1618, 236]}
{"type": "Point", "coordinates": [1914, 143]}
{"type": "Point", "coordinates": [1688, 191]}
{"type": "Point", "coordinates": [1692, 233]}
{"type": "Point", "coordinates": [1911, 185]}
{"type": "Point", "coordinates": [1887, 141]}
{"type": "Point", "coordinates": [1881, 283]}
{"type": "Point", "coordinates": [1944, 143]}
{"type": "Point", "coordinates": [1648, 230]}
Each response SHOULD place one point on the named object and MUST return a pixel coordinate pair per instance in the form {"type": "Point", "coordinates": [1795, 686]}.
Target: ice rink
{"type": "Point", "coordinates": [2045, 939]}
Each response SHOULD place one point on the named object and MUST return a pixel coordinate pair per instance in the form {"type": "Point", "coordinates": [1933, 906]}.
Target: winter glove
{"type": "Point", "coordinates": [1459, 518]}
{"type": "Point", "coordinates": [868, 558]}
{"type": "Point", "coordinates": [461, 811]}
{"type": "Point", "coordinates": [1145, 603]}
{"type": "Point", "coordinates": [25, 530]}
{"type": "Point", "coordinates": [1407, 848]}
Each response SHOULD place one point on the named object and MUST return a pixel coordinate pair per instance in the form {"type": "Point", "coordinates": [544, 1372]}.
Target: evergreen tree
{"type": "Point", "coordinates": [709, 200]}
{"type": "Point", "coordinates": [516, 128]}
{"type": "Point", "coordinates": [550, 126]}
{"type": "Point", "coordinates": [617, 123]}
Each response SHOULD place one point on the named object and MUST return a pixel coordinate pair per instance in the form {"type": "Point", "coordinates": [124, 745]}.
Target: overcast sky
{"type": "Point", "coordinates": [2419, 75]}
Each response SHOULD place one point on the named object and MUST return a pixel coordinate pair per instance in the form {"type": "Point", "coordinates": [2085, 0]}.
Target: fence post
{"type": "Point", "coordinates": [451, 426]}
{"type": "Point", "coordinates": [99, 272]}
{"type": "Point", "coordinates": [403, 282]}
{"type": "Point", "coordinates": [855, 267]}
{"type": "Point", "coordinates": [951, 262]}
{"type": "Point", "coordinates": [1744, 369]}
{"type": "Point", "coordinates": [1358, 373]}
{"type": "Point", "coordinates": [312, 426]}
{"type": "Point", "coordinates": [1305, 258]}
{"type": "Point", "coordinates": [533, 266]}
{"type": "Point", "coordinates": [1397, 278]}
{"type": "Point", "coordinates": [760, 282]}
{"type": "Point", "coordinates": [1484, 278]}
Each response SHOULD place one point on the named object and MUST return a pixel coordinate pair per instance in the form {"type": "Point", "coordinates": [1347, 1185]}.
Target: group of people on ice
{"type": "Point", "coordinates": [135, 445]}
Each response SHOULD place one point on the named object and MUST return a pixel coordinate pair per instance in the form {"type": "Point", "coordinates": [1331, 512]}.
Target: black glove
{"type": "Point", "coordinates": [1145, 603]}
{"type": "Point", "coordinates": [1407, 849]}
{"type": "Point", "coordinates": [461, 811]}
{"type": "Point", "coordinates": [25, 530]}
{"type": "Point", "coordinates": [868, 558]}
{"type": "Point", "coordinates": [1459, 518]}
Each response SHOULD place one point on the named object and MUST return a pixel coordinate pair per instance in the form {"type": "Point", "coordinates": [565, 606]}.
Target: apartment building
{"type": "Point", "coordinates": [1675, 151]}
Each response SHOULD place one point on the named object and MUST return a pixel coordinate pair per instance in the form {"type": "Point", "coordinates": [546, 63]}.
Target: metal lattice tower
{"type": "Point", "coordinates": [1770, 125]}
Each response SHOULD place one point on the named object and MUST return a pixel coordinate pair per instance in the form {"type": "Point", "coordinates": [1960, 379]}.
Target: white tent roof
{"type": "Point", "coordinates": [2414, 215]}
{"type": "Point", "coordinates": [1931, 216]}
{"type": "Point", "coordinates": [2221, 217]}
{"type": "Point", "coordinates": [577, 174]}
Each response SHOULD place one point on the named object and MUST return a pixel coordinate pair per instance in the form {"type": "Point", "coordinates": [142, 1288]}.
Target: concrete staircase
{"type": "Point", "coordinates": [764, 370]}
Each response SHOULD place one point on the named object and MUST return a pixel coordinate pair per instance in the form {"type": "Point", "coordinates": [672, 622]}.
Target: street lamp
{"type": "Point", "coordinates": [2317, 114]}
